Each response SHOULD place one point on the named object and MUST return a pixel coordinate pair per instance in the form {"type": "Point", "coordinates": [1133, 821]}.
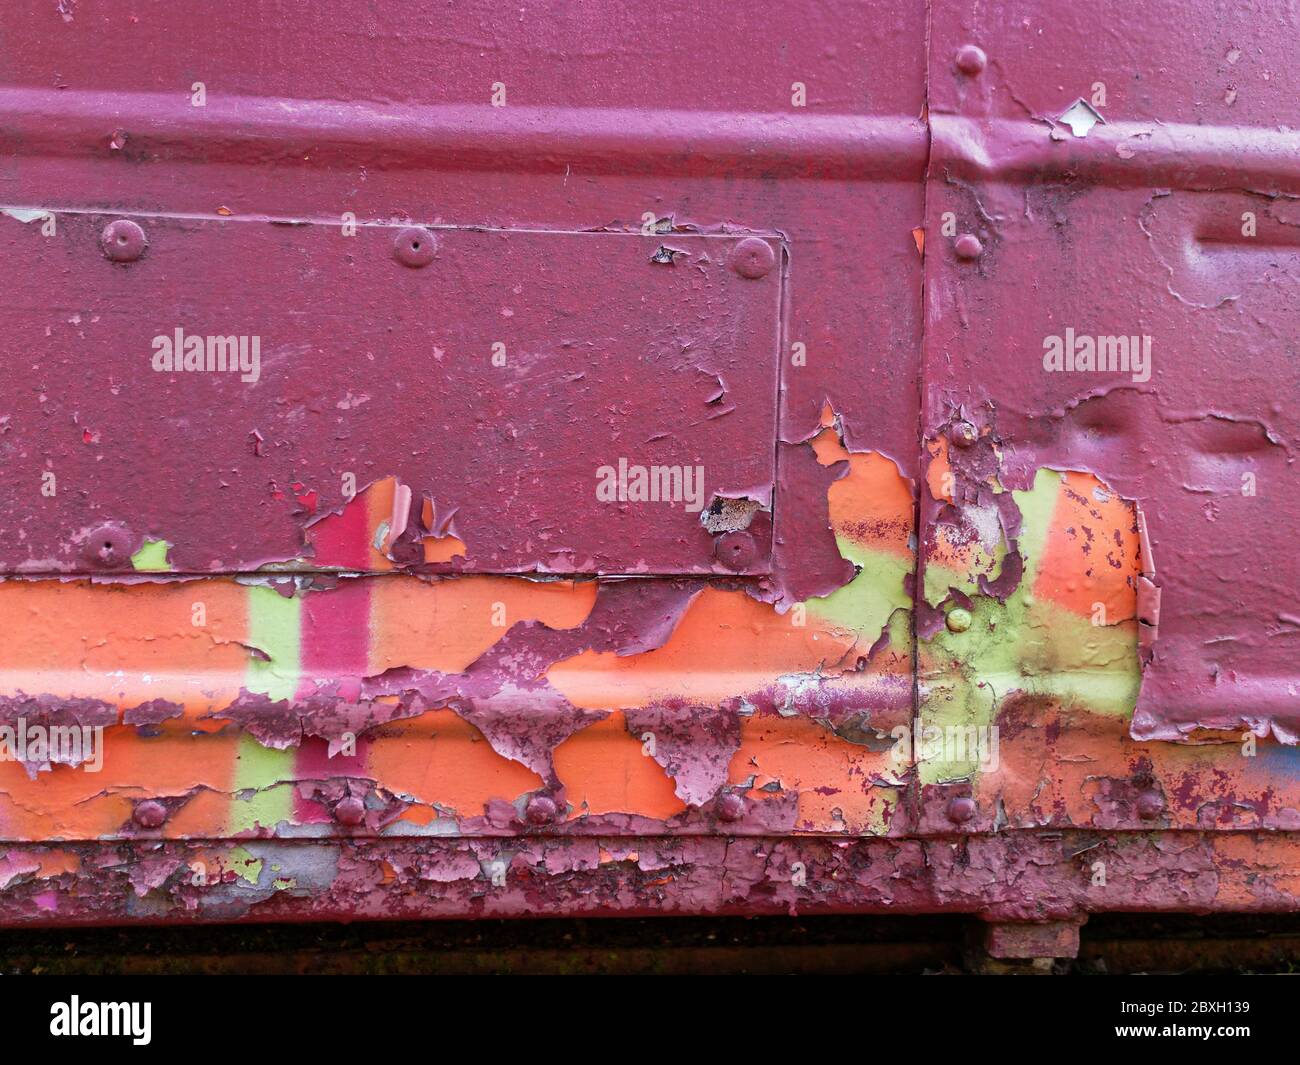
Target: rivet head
{"type": "Point", "coordinates": [752, 258]}
{"type": "Point", "coordinates": [731, 807]}
{"type": "Point", "coordinates": [415, 247]}
{"type": "Point", "coordinates": [968, 247]}
{"type": "Point", "coordinates": [107, 547]}
{"type": "Point", "coordinates": [961, 809]}
{"type": "Point", "coordinates": [540, 810]}
{"type": "Point", "coordinates": [958, 619]}
{"type": "Point", "coordinates": [963, 434]}
{"type": "Point", "coordinates": [735, 550]}
{"type": "Point", "coordinates": [971, 59]}
{"type": "Point", "coordinates": [350, 810]}
{"type": "Point", "coordinates": [123, 241]}
{"type": "Point", "coordinates": [1150, 805]}
{"type": "Point", "coordinates": [149, 814]}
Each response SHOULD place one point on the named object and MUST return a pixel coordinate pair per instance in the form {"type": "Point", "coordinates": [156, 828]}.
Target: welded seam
{"type": "Point", "coordinates": [918, 560]}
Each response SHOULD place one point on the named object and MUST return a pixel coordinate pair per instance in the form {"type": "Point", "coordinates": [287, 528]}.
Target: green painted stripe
{"type": "Point", "coordinates": [274, 623]}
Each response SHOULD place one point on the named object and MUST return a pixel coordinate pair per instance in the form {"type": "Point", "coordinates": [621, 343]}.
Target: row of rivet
{"type": "Point", "coordinates": [124, 241]}
{"type": "Point", "coordinates": [542, 810]}
{"type": "Point", "coordinates": [1150, 806]}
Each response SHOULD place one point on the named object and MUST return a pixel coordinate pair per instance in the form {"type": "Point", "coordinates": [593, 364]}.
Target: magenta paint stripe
{"type": "Point", "coordinates": [335, 652]}
{"type": "Point", "coordinates": [343, 539]}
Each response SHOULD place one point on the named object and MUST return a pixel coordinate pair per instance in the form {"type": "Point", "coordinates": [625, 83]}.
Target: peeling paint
{"type": "Point", "coordinates": [625, 482]}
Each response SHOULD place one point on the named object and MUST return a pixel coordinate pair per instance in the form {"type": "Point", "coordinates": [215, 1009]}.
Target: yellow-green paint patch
{"type": "Point", "coordinates": [244, 865]}
{"type": "Point", "coordinates": [152, 557]}
{"type": "Point", "coordinates": [1024, 645]}
{"type": "Point", "coordinates": [274, 624]}
{"type": "Point", "coordinates": [867, 602]}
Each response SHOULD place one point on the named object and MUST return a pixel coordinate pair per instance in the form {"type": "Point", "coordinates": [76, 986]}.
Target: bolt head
{"type": "Point", "coordinates": [958, 619]}
{"type": "Point", "coordinates": [415, 246]}
{"type": "Point", "coordinates": [350, 810]}
{"type": "Point", "coordinates": [107, 547]}
{"type": "Point", "coordinates": [541, 810]}
{"type": "Point", "coordinates": [963, 434]}
{"type": "Point", "coordinates": [735, 550]}
{"type": "Point", "coordinates": [731, 807]}
{"type": "Point", "coordinates": [968, 247]}
{"type": "Point", "coordinates": [1150, 805]}
{"type": "Point", "coordinates": [123, 241]}
{"type": "Point", "coordinates": [149, 814]}
{"type": "Point", "coordinates": [753, 258]}
{"type": "Point", "coordinates": [961, 809]}
{"type": "Point", "coordinates": [971, 59]}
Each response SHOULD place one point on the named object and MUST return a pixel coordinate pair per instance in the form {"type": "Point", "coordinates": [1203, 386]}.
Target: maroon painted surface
{"type": "Point", "coordinates": [1136, 229]}
{"type": "Point", "coordinates": [371, 367]}
{"type": "Point", "coordinates": [390, 120]}
{"type": "Point", "coordinates": [680, 112]}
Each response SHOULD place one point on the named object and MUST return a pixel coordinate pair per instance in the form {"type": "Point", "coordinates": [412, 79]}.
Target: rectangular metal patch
{"type": "Point", "coordinates": [558, 402]}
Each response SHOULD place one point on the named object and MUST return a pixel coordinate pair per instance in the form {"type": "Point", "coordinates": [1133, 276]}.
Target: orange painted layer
{"type": "Point", "coordinates": [441, 758]}
{"type": "Point", "coordinates": [837, 781]}
{"type": "Point", "coordinates": [1091, 554]}
{"type": "Point", "coordinates": [124, 643]}
{"type": "Point", "coordinates": [872, 505]}
{"type": "Point", "coordinates": [604, 771]}
{"type": "Point", "coordinates": [447, 624]}
{"type": "Point", "coordinates": [727, 644]}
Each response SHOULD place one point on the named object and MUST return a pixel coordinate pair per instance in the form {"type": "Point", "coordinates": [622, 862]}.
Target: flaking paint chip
{"type": "Point", "coordinates": [666, 256]}
{"type": "Point", "coordinates": [1080, 116]}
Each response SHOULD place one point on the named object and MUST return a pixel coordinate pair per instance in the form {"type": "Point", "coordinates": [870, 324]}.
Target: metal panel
{"type": "Point", "coordinates": [557, 402]}
{"type": "Point", "coordinates": [621, 719]}
{"type": "Point", "coordinates": [1110, 363]}
{"type": "Point", "coordinates": [377, 694]}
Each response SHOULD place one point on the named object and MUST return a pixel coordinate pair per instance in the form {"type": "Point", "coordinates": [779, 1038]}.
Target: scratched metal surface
{"type": "Point", "coordinates": [388, 626]}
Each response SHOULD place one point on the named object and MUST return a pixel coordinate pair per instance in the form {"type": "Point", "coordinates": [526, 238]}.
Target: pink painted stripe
{"type": "Point", "coordinates": [335, 650]}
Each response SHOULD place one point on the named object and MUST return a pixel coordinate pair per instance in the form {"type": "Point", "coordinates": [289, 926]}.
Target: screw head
{"type": "Point", "coordinates": [963, 434]}
{"type": "Point", "coordinates": [541, 810]}
{"type": "Point", "coordinates": [415, 246]}
{"type": "Point", "coordinates": [971, 59]}
{"type": "Point", "coordinates": [1150, 805]}
{"type": "Point", "coordinates": [968, 247]}
{"type": "Point", "coordinates": [123, 241]}
{"type": "Point", "coordinates": [735, 550]}
{"type": "Point", "coordinates": [149, 814]}
{"type": "Point", "coordinates": [961, 809]}
{"type": "Point", "coordinates": [350, 810]}
{"type": "Point", "coordinates": [107, 547]}
{"type": "Point", "coordinates": [752, 258]}
{"type": "Point", "coordinates": [958, 619]}
{"type": "Point", "coordinates": [731, 807]}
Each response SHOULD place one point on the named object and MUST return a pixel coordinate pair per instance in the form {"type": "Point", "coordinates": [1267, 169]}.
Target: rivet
{"type": "Point", "coordinates": [963, 434]}
{"type": "Point", "coordinates": [123, 241]}
{"type": "Point", "coordinates": [149, 814]}
{"type": "Point", "coordinates": [731, 807]}
{"type": "Point", "coordinates": [540, 810]}
{"type": "Point", "coordinates": [971, 59]}
{"type": "Point", "coordinates": [350, 810]}
{"type": "Point", "coordinates": [1150, 805]}
{"type": "Point", "coordinates": [735, 550]}
{"type": "Point", "coordinates": [415, 246]}
{"type": "Point", "coordinates": [961, 809]}
{"type": "Point", "coordinates": [968, 246]}
{"type": "Point", "coordinates": [107, 547]}
{"type": "Point", "coordinates": [958, 619]}
{"type": "Point", "coordinates": [752, 258]}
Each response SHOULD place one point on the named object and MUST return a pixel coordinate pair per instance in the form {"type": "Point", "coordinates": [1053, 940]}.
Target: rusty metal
{"type": "Point", "coordinates": [578, 484]}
